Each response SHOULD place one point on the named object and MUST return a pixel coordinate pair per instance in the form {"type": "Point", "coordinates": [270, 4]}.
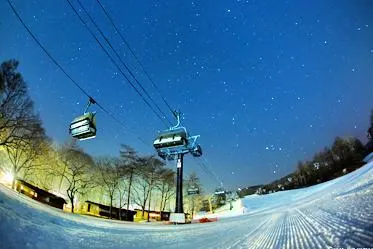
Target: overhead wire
{"type": "Point", "coordinates": [134, 55]}
{"type": "Point", "coordinates": [203, 163]}
{"type": "Point", "coordinates": [120, 59]}
{"type": "Point", "coordinates": [204, 166]}
{"type": "Point", "coordinates": [115, 63]}
{"type": "Point", "coordinates": [67, 74]}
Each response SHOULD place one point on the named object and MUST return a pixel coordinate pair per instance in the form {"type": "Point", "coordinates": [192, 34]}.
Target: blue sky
{"type": "Point", "coordinates": [265, 83]}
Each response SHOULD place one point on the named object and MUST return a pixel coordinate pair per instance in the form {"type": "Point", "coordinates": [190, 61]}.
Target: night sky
{"type": "Point", "coordinates": [265, 83]}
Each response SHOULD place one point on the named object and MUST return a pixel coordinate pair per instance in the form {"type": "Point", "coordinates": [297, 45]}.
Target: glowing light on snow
{"type": "Point", "coordinates": [8, 178]}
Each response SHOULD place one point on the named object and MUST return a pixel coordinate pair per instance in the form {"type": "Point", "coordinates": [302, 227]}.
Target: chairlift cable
{"type": "Point", "coordinates": [205, 170]}
{"type": "Point", "coordinates": [134, 55]}
{"type": "Point", "coordinates": [66, 74]}
{"type": "Point", "coordinates": [120, 59]}
{"type": "Point", "coordinates": [204, 165]}
{"type": "Point", "coordinates": [115, 63]}
{"type": "Point", "coordinates": [45, 50]}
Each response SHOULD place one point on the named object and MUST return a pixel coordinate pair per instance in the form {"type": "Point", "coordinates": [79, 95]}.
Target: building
{"type": "Point", "coordinates": [39, 194]}
{"type": "Point", "coordinates": [100, 210]}
{"type": "Point", "coordinates": [153, 215]}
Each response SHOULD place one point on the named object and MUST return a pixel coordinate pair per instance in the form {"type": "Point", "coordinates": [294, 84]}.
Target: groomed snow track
{"type": "Point", "coordinates": [337, 213]}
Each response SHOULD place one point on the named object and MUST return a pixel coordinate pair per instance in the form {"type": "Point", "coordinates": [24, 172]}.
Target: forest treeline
{"type": "Point", "coordinates": [27, 153]}
{"type": "Point", "coordinates": [345, 155]}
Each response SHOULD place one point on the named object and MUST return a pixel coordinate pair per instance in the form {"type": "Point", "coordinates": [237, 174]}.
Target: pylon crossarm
{"type": "Point", "coordinates": [192, 140]}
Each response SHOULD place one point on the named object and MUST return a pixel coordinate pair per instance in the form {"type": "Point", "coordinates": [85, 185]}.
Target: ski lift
{"type": "Point", "coordinates": [197, 151]}
{"type": "Point", "coordinates": [171, 138]}
{"type": "Point", "coordinates": [176, 141]}
{"type": "Point", "coordinates": [193, 190]}
{"type": "Point", "coordinates": [84, 127]}
{"type": "Point", "coordinates": [220, 192]}
{"type": "Point", "coordinates": [220, 196]}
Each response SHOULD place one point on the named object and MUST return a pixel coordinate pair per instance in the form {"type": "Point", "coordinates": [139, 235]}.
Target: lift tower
{"type": "Point", "coordinates": [173, 144]}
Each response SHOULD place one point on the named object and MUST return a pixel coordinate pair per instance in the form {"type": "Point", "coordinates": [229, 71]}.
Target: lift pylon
{"type": "Point", "coordinates": [173, 144]}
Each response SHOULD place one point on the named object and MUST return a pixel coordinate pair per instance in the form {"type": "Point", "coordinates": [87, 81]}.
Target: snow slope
{"type": "Point", "coordinates": [224, 211]}
{"type": "Point", "coordinates": [338, 213]}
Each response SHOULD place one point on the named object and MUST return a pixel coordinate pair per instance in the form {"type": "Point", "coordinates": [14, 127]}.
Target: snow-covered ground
{"type": "Point", "coordinates": [224, 211]}
{"type": "Point", "coordinates": [338, 213]}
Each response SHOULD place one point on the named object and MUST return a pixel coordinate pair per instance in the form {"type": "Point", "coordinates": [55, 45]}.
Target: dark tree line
{"type": "Point", "coordinates": [345, 155]}
{"type": "Point", "coordinates": [369, 145]}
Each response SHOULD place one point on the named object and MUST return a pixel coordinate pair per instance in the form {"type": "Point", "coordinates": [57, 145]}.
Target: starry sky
{"type": "Point", "coordinates": [265, 83]}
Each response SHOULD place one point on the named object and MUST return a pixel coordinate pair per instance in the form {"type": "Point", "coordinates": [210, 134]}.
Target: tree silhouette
{"type": "Point", "coordinates": [17, 116]}
{"type": "Point", "coordinates": [76, 171]}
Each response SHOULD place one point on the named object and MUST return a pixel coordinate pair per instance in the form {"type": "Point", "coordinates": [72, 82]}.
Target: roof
{"type": "Point", "coordinates": [105, 206]}
{"type": "Point", "coordinates": [151, 211]}
{"type": "Point", "coordinates": [40, 191]}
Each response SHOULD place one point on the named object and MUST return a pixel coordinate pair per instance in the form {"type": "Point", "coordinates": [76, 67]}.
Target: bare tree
{"type": "Point", "coordinates": [130, 161]}
{"type": "Point", "coordinates": [193, 182]}
{"type": "Point", "coordinates": [77, 171]}
{"type": "Point", "coordinates": [152, 176]}
{"type": "Point", "coordinates": [41, 175]}
{"type": "Point", "coordinates": [148, 174]}
{"type": "Point", "coordinates": [25, 149]}
{"type": "Point", "coordinates": [16, 107]}
{"type": "Point", "coordinates": [166, 186]}
{"type": "Point", "coordinates": [110, 175]}
{"type": "Point", "coordinates": [122, 190]}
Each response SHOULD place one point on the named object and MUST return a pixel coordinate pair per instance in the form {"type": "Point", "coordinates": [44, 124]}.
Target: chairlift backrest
{"type": "Point", "coordinates": [171, 138]}
{"type": "Point", "coordinates": [84, 126]}
{"type": "Point", "coordinates": [219, 191]}
{"type": "Point", "coordinates": [193, 191]}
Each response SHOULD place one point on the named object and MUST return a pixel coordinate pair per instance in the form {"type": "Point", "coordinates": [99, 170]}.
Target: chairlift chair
{"type": "Point", "coordinates": [220, 195]}
{"type": "Point", "coordinates": [176, 141]}
{"type": "Point", "coordinates": [84, 126]}
{"type": "Point", "coordinates": [193, 191]}
{"type": "Point", "coordinates": [171, 142]}
{"type": "Point", "coordinates": [197, 151]}
{"type": "Point", "coordinates": [220, 192]}
{"type": "Point", "coordinates": [171, 138]}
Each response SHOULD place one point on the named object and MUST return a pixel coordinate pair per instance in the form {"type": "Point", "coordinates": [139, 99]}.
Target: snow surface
{"type": "Point", "coordinates": [338, 213]}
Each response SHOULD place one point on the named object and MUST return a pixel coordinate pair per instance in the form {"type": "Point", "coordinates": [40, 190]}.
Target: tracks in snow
{"type": "Point", "coordinates": [328, 222]}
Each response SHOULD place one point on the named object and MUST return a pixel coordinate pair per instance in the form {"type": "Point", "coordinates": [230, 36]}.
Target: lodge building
{"type": "Point", "coordinates": [39, 194]}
